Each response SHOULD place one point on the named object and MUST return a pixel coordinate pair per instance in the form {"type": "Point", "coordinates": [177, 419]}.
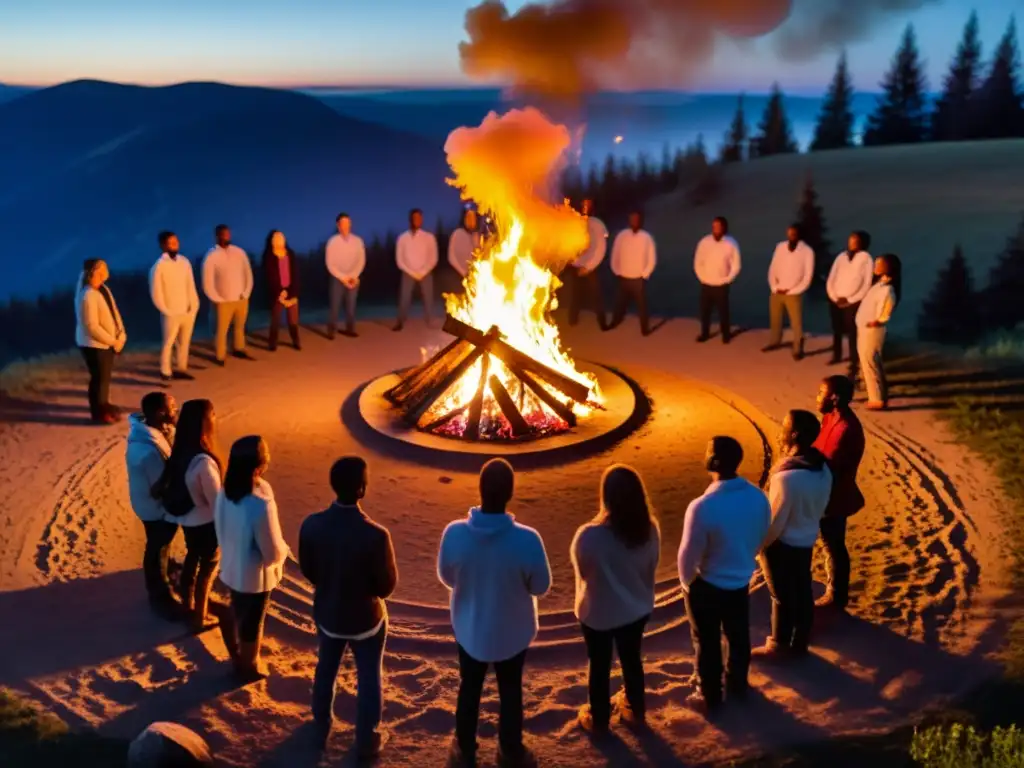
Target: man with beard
{"type": "Point", "coordinates": [789, 276]}
{"type": "Point", "coordinates": [716, 264]}
{"type": "Point", "coordinates": [584, 281]}
{"type": "Point", "coordinates": [227, 283]}
{"type": "Point", "coordinates": [172, 285]}
{"type": "Point", "coordinates": [848, 283]}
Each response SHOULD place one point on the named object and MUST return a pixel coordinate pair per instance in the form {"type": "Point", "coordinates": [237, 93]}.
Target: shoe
{"type": "Point", "coordinates": [697, 703]}
{"type": "Point", "coordinates": [367, 753]}
{"type": "Point", "coordinates": [726, 338]}
{"type": "Point", "coordinates": [168, 608]}
{"type": "Point", "coordinates": [183, 376]}
{"type": "Point", "coordinates": [350, 333]}
{"type": "Point", "coordinates": [249, 667]}
{"type": "Point", "coordinates": [625, 714]}
{"type": "Point", "coordinates": [200, 624]}
{"type": "Point", "coordinates": [771, 348]}
{"type": "Point", "coordinates": [242, 355]}
{"type": "Point", "coordinates": [104, 419]}
{"type": "Point", "coordinates": [398, 327]}
{"type": "Point", "coordinates": [827, 602]}
{"type": "Point", "coordinates": [459, 759]}
{"type": "Point", "coordinates": [834, 360]}
{"type": "Point", "coordinates": [771, 652]}
{"type": "Point", "coordinates": [524, 758]}
{"type": "Point", "coordinates": [220, 363]}
{"type": "Point", "coordinates": [585, 720]}
{"type": "Point", "coordinates": [798, 356]}
{"type": "Point", "coordinates": [272, 347]}
{"type": "Point", "coordinates": [166, 378]}
{"type": "Point", "coordinates": [876, 405]}
{"type": "Point", "coordinates": [702, 338]}
{"type": "Point", "coordinates": [297, 346]}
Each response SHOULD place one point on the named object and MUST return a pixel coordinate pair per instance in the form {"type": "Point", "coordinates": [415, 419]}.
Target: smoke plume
{"type": "Point", "coordinates": [565, 48]}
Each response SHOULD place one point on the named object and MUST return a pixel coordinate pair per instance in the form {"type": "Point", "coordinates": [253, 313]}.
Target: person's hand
{"type": "Point", "coordinates": [782, 292]}
{"type": "Point", "coordinates": [842, 303]}
{"type": "Point", "coordinates": [874, 324]}
{"type": "Point", "coordinates": [283, 296]}
{"type": "Point", "coordinates": [120, 344]}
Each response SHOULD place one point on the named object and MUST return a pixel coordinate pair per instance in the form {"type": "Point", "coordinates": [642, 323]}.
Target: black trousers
{"type": "Point", "coordinates": [788, 573]}
{"type": "Point", "coordinates": [631, 290]}
{"type": "Point", "coordinates": [715, 298]}
{"type": "Point", "coordinates": [626, 640]}
{"type": "Point", "coordinates": [713, 612]}
{"type": "Point", "coordinates": [100, 363]}
{"type": "Point", "coordinates": [202, 557]}
{"type": "Point", "coordinates": [844, 324]}
{"type": "Point", "coordinates": [159, 535]}
{"type": "Point", "coordinates": [250, 611]}
{"type": "Point", "coordinates": [833, 536]}
{"type": "Point", "coordinates": [472, 674]}
{"type": "Point", "coordinates": [292, 313]}
{"type": "Point", "coordinates": [584, 293]}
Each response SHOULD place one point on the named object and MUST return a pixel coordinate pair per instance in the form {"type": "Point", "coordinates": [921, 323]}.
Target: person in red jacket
{"type": "Point", "coordinates": [841, 441]}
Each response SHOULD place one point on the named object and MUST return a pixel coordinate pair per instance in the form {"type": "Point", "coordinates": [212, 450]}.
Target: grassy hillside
{"type": "Point", "coordinates": [916, 201]}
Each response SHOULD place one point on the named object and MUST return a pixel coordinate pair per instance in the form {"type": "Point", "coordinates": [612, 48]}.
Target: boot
{"type": "Point", "coordinates": [201, 620]}
{"type": "Point", "coordinates": [249, 666]}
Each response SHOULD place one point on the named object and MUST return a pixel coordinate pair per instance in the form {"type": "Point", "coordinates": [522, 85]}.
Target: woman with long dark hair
{"type": "Point", "coordinates": [253, 548]}
{"type": "Point", "coordinates": [99, 334]}
{"type": "Point", "coordinates": [282, 275]}
{"type": "Point", "coordinates": [188, 488]}
{"type": "Point", "coordinates": [872, 318]}
{"type": "Point", "coordinates": [615, 557]}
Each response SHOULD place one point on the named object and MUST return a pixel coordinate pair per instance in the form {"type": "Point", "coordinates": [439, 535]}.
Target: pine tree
{"type": "Point", "coordinates": [810, 217]}
{"type": "Point", "coordinates": [835, 122]}
{"type": "Point", "coordinates": [1002, 296]}
{"type": "Point", "coordinates": [774, 134]}
{"type": "Point", "coordinates": [901, 116]}
{"type": "Point", "coordinates": [733, 151]}
{"type": "Point", "coordinates": [950, 313]}
{"type": "Point", "coordinates": [999, 102]}
{"type": "Point", "coordinates": [951, 119]}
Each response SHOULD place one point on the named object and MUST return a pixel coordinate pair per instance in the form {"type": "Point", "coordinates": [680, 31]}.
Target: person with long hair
{"type": "Point", "coordinates": [100, 335]}
{"type": "Point", "coordinates": [188, 488]}
{"type": "Point", "coordinates": [615, 557]}
{"type": "Point", "coordinates": [254, 550]}
{"type": "Point", "coordinates": [282, 276]}
{"type": "Point", "coordinates": [873, 316]}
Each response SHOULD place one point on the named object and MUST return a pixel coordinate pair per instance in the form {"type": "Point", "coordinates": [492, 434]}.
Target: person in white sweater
{"type": "Point", "coordinates": [615, 557]}
{"type": "Point", "coordinates": [582, 275]}
{"type": "Point", "coordinates": [495, 568]}
{"type": "Point", "coordinates": [253, 550]}
{"type": "Point", "coordinates": [789, 276]}
{"type": "Point", "coordinates": [228, 283]}
{"type": "Point", "coordinates": [634, 258]}
{"type": "Point", "coordinates": [416, 256]}
{"type": "Point", "coordinates": [872, 318]}
{"type": "Point", "coordinates": [848, 283]}
{"type": "Point", "coordinates": [716, 262]}
{"type": "Point", "coordinates": [346, 259]}
{"type": "Point", "coordinates": [150, 434]}
{"type": "Point", "coordinates": [100, 335]}
{"type": "Point", "coordinates": [798, 490]}
{"type": "Point", "coordinates": [172, 286]}
{"type": "Point", "coordinates": [722, 534]}
{"type": "Point", "coordinates": [188, 489]}
{"type": "Point", "coordinates": [463, 243]}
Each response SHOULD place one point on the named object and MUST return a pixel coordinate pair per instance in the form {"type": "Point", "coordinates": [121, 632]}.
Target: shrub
{"type": "Point", "coordinates": [960, 746]}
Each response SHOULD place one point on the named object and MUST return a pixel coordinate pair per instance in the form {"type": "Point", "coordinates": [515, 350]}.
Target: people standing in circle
{"type": "Point", "coordinates": [188, 488]}
{"type": "Point", "coordinates": [282, 276]}
{"type": "Point", "coordinates": [253, 549]}
{"type": "Point", "coordinates": [584, 280]}
{"type": "Point", "coordinates": [615, 557]}
{"type": "Point", "coordinates": [464, 242]}
{"type": "Point", "coordinates": [789, 277]}
{"type": "Point", "coordinates": [172, 286]}
{"type": "Point", "coordinates": [873, 316]}
{"type": "Point", "coordinates": [346, 259]}
{"type": "Point", "coordinates": [722, 534]}
{"type": "Point", "coordinates": [416, 256]}
{"type": "Point", "coordinates": [798, 490]}
{"type": "Point", "coordinates": [100, 335]}
{"type": "Point", "coordinates": [634, 258]}
{"type": "Point", "coordinates": [150, 434]}
{"type": "Point", "coordinates": [841, 442]}
{"type": "Point", "coordinates": [350, 561]}
{"type": "Point", "coordinates": [228, 283]}
{"type": "Point", "coordinates": [495, 568]}
{"type": "Point", "coordinates": [848, 284]}
{"type": "Point", "coordinates": [716, 263]}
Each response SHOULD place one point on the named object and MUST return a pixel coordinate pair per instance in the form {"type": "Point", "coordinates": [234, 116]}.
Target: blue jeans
{"type": "Point", "coordinates": [369, 656]}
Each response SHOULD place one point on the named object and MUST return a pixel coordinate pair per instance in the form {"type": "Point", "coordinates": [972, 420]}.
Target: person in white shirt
{"type": "Point", "coordinates": [615, 557]}
{"type": "Point", "coordinates": [463, 243]}
{"type": "Point", "coordinates": [798, 490]}
{"type": "Point", "coordinates": [100, 335]}
{"type": "Point", "coordinates": [848, 283]}
{"type": "Point", "coordinates": [227, 283]}
{"type": "Point", "coordinates": [252, 546]}
{"type": "Point", "coordinates": [346, 259]}
{"type": "Point", "coordinates": [495, 569]}
{"type": "Point", "coordinates": [633, 260]}
{"type": "Point", "coordinates": [789, 276]}
{"type": "Point", "coordinates": [416, 255]}
{"type": "Point", "coordinates": [172, 286]}
{"type": "Point", "coordinates": [722, 534]}
{"type": "Point", "coordinates": [716, 263]}
{"type": "Point", "coordinates": [584, 280]}
{"type": "Point", "coordinates": [873, 316]}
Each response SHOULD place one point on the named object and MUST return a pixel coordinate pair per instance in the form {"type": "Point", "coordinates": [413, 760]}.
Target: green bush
{"type": "Point", "coordinates": [960, 746]}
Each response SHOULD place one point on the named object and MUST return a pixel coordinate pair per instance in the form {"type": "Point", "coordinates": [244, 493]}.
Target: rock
{"type": "Point", "coordinates": [169, 745]}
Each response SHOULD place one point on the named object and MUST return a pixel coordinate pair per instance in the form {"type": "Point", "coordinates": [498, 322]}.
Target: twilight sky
{"type": "Point", "coordinates": [374, 42]}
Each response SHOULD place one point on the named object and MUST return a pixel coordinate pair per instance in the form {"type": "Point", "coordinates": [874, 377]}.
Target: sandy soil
{"type": "Point", "coordinates": [928, 577]}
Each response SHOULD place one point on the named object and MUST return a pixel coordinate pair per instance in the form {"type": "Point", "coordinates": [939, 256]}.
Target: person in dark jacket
{"type": "Point", "coordinates": [841, 441]}
{"type": "Point", "coordinates": [350, 561]}
{"type": "Point", "coordinates": [282, 277]}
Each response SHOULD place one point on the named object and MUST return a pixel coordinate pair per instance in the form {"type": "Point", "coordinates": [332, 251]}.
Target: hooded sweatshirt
{"type": "Point", "coordinates": [798, 490]}
{"type": "Point", "coordinates": [146, 452]}
{"type": "Point", "coordinates": [496, 569]}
